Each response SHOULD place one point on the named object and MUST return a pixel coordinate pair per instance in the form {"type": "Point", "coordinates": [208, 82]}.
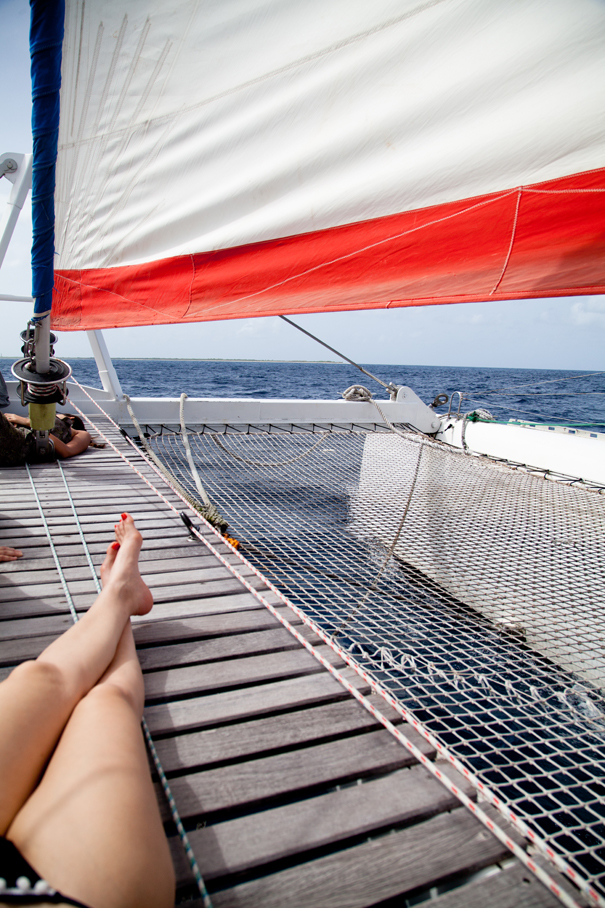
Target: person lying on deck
{"type": "Point", "coordinates": [77, 802]}
{"type": "Point", "coordinates": [16, 442]}
{"type": "Point", "coordinates": [9, 554]}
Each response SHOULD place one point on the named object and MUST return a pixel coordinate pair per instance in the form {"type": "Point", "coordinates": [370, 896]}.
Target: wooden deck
{"type": "Point", "coordinates": [291, 792]}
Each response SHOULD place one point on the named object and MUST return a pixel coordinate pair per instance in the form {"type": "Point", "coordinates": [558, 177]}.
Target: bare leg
{"type": "Point", "coordinates": [92, 828]}
{"type": "Point", "coordinates": [38, 697]}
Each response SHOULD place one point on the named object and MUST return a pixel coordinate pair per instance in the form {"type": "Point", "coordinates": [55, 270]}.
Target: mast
{"type": "Point", "coordinates": [43, 378]}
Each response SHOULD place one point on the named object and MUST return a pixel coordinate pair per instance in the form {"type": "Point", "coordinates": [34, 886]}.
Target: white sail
{"type": "Point", "coordinates": [190, 128]}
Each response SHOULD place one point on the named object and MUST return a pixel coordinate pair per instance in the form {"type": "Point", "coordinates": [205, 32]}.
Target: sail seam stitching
{"type": "Point", "coordinates": [512, 241]}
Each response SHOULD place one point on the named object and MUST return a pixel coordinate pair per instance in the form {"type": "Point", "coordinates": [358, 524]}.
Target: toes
{"type": "Point", "coordinates": [120, 531]}
{"type": "Point", "coordinates": [110, 557]}
{"type": "Point", "coordinates": [126, 528]}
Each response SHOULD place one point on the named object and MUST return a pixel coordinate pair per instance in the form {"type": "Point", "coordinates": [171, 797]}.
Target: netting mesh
{"type": "Point", "coordinates": [486, 621]}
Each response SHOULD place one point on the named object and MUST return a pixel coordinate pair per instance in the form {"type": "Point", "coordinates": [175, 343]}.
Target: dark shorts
{"type": "Point", "coordinates": [13, 444]}
{"type": "Point", "coordinates": [13, 868]}
{"type": "Point", "coordinates": [17, 445]}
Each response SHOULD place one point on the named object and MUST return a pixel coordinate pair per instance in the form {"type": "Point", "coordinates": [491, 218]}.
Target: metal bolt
{"type": "Point", "coordinates": [8, 166]}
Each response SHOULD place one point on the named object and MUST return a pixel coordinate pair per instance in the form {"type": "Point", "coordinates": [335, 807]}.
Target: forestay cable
{"type": "Point", "coordinates": [390, 387]}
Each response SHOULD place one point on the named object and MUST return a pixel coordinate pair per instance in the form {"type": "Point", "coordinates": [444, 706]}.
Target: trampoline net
{"type": "Point", "coordinates": [471, 590]}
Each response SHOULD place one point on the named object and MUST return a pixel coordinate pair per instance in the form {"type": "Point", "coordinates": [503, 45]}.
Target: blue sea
{"type": "Point", "coordinates": [534, 395]}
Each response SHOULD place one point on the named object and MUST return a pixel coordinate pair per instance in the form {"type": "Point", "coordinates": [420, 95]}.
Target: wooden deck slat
{"type": "Point", "coordinates": [195, 611]}
{"type": "Point", "coordinates": [199, 651]}
{"type": "Point", "coordinates": [38, 606]}
{"type": "Point", "coordinates": [82, 492]}
{"type": "Point", "coordinates": [269, 733]}
{"type": "Point", "coordinates": [56, 516]}
{"type": "Point", "coordinates": [71, 559]}
{"type": "Point", "coordinates": [15, 651]}
{"type": "Point", "coordinates": [177, 682]}
{"type": "Point", "coordinates": [160, 571]}
{"type": "Point", "coordinates": [222, 615]}
{"type": "Point", "coordinates": [41, 626]}
{"type": "Point", "coordinates": [512, 887]}
{"type": "Point", "coordinates": [201, 712]}
{"type": "Point", "coordinates": [195, 579]}
{"type": "Point", "coordinates": [235, 846]}
{"type": "Point", "coordinates": [101, 522]}
{"type": "Point", "coordinates": [48, 605]}
{"type": "Point", "coordinates": [72, 553]}
{"type": "Point", "coordinates": [56, 504]}
{"type": "Point", "coordinates": [98, 534]}
{"type": "Point", "coordinates": [260, 780]}
{"type": "Point", "coordinates": [27, 638]}
{"type": "Point", "coordinates": [386, 867]}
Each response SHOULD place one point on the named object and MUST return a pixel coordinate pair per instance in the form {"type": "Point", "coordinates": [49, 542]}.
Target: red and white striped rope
{"type": "Point", "coordinates": [483, 790]}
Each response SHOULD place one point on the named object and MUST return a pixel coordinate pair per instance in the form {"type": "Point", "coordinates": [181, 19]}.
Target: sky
{"type": "Point", "coordinates": [563, 333]}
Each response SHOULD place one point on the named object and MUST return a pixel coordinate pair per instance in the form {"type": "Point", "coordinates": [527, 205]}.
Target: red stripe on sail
{"type": "Point", "coordinates": [543, 240]}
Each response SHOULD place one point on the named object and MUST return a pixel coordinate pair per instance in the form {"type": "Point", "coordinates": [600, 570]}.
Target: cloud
{"type": "Point", "coordinates": [589, 311]}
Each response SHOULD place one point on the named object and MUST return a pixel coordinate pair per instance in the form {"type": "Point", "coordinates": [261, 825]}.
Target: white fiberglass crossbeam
{"type": "Point", "coordinates": [17, 168]}
{"type": "Point", "coordinates": [107, 373]}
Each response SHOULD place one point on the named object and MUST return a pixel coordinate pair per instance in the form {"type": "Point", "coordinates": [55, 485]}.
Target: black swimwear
{"type": "Point", "coordinates": [17, 445]}
{"type": "Point", "coordinates": [21, 885]}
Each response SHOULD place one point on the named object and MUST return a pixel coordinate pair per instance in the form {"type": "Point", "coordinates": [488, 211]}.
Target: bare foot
{"type": "Point", "coordinates": [121, 567]}
{"type": "Point", "coordinates": [8, 554]}
{"type": "Point", "coordinates": [108, 563]}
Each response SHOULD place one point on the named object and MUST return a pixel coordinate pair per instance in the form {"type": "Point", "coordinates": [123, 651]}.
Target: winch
{"type": "Point", "coordinates": [43, 380]}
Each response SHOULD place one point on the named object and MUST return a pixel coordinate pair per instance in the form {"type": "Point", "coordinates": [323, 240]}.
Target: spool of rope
{"type": "Point", "coordinates": [357, 392]}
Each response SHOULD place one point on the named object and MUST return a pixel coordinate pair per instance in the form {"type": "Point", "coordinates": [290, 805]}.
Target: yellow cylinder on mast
{"type": "Point", "coordinates": [42, 416]}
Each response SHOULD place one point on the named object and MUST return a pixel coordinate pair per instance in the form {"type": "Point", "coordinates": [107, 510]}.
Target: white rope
{"type": "Point", "coordinates": [70, 601]}
{"type": "Point", "coordinates": [149, 450]}
{"type": "Point", "coordinates": [276, 463]}
{"type": "Point", "coordinates": [208, 510]}
{"type": "Point", "coordinates": [149, 740]}
{"type": "Point", "coordinates": [80, 531]}
{"type": "Point", "coordinates": [389, 554]}
{"type": "Point", "coordinates": [408, 717]}
{"type": "Point", "coordinates": [359, 392]}
{"type": "Point", "coordinates": [192, 466]}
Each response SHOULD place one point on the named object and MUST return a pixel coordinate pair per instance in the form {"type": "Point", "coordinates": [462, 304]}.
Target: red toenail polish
{"type": "Point", "coordinates": [124, 516]}
{"type": "Point", "coordinates": [115, 545]}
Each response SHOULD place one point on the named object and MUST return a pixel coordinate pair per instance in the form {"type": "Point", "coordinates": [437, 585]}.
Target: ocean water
{"type": "Point", "coordinates": [540, 395]}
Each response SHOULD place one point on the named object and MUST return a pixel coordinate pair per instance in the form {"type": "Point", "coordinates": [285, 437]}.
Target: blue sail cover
{"type": "Point", "coordinates": [46, 43]}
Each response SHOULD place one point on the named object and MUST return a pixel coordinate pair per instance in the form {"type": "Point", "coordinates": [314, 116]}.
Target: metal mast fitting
{"type": "Point", "coordinates": [42, 390]}
{"type": "Point", "coordinates": [17, 168]}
